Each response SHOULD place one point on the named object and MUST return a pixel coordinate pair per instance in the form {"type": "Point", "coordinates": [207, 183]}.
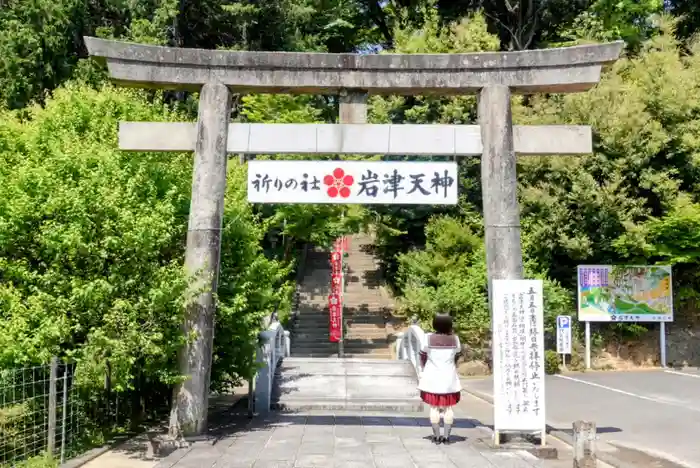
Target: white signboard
{"type": "Point", "coordinates": [352, 182]}
{"type": "Point", "coordinates": [563, 334]}
{"type": "Point", "coordinates": [518, 355]}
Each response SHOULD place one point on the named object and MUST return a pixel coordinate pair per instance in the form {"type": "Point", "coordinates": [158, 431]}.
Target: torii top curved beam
{"type": "Point", "coordinates": [568, 69]}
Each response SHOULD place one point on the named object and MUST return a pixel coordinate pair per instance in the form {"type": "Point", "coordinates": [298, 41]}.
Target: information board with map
{"type": "Point", "coordinates": [610, 293]}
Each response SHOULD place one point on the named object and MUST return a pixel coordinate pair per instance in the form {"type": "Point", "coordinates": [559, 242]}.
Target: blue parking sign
{"type": "Point", "coordinates": [563, 321]}
{"type": "Point", "coordinates": [564, 334]}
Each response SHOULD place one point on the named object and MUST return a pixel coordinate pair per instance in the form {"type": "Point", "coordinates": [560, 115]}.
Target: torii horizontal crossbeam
{"type": "Point", "coordinates": [565, 69]}
{"type": "Point", "coordinates": [448, 140]}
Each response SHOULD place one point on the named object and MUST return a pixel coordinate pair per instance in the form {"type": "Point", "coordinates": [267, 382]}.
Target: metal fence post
{"type": "Point", "coordinates": [63, 415]}
{"type": "Point", "coordinates": [51, 436]}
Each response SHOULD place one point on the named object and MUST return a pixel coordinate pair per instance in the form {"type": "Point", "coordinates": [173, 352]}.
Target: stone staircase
{"type": "Point", "coordinates": [366, 378]}
{"type": "Point", "coordinates": [367, 311]}
{"type": "Point", "coordinates": [303, 384]}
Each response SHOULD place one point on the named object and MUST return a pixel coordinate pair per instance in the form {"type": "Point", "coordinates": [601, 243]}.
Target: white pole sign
{"type": "Point", "coordinates": [518, 355]}
{"type": "Point", "coordinates": [352, 182]}
{"type": "Point", "coordinates": [563, 334]}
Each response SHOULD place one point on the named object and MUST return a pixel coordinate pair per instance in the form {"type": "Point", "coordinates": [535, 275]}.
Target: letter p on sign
{"type": "Point", "coordinates": [564, 334]}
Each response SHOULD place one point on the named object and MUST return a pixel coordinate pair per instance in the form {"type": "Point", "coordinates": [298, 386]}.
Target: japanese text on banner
{"type": "Point", "coordinates": [335, 317]}
{"type": "Point", "coordinates": [366, 182]}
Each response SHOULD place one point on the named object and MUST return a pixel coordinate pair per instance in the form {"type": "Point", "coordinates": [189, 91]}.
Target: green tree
{"type": "Point", "coordinates": [633, 21]}
{"type": "Point", "coordinates": [37, 46]}
{"type": "Point", "coordinates": [689, 13]}
{"type": "Point", "coordinates": [92, 246]}
{"type": "Point", "coordinates": [400, 228]}
{"type": "Point", "coordinates": [449, 275]}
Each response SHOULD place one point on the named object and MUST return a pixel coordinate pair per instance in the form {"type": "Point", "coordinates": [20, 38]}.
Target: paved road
{"type": "Point", "coordinates": [657, 411]}
{"type": "Point", "coordinates": [358, 441]}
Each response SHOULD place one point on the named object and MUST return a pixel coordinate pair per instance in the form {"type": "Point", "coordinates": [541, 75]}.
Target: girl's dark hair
{"type": "Point", "coordinates": [442, 324]}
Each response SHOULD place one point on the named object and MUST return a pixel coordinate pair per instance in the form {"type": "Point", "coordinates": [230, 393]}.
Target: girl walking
{"type": "Point", "coordinates": [439, 383]}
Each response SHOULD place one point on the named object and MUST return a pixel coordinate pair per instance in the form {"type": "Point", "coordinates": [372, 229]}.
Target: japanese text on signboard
{"type": "Point", "coordinates": [518, 341]}
{"type": "Point", "coordinates": [366, 182]}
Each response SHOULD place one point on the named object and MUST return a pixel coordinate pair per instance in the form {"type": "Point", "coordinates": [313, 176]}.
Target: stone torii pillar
{"type": "Point", "coordinates": [493, 76]}
{"type": "Point", "coordinates": [202, 258]}
{"type": "Point", "coordinates": [499, 185]}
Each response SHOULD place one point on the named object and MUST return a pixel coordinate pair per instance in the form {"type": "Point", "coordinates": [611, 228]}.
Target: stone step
{"type": "Point", "coordinates": [357, 294]}
{"type": "Point", "coordinates": [376, 357]}
{"type": "Point", "coordinates": [310, 328]}
{"type": "Point", "coordinates": [376, 317]}
{"type": "Point", "coordinates": [346, 366]}
{"type": "Point", "coordinates": [315, 404]}
{"type": "Point", "coordinates": [357, 317]}
{"type": "Point", "coordinates": [364, 317]}
{"type": "Point", "coordinates": [368, 337]}
{"type": "Point", "coordinates": [358, 308]}
{"type": "Point", "coordinates": [368, 384]}
{"type": "Point", "coordinates": [358, 311]}
{"type": "Point", "coordinates": [350, 334]}
{"type": "Point", "coordinates": [311, 346]}
{"type": "Point", "coordinates": [325, 348]}
{"type": "Point", "coordinates": [349, 342]}
{"type": "Point", "coordinates": [316, 355]}
{"type": "Point", "coordinates": [351, 321]}
{"type": "Point", "coordinates": [322, 329]}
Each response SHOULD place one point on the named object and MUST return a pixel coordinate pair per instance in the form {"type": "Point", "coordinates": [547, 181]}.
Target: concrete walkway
{"type": "Point", "coordinates": [342, 440]}
{"type": "Point", "coordinates": [131, 454]}
{"type": "Point", "coordinates": [347, 442]}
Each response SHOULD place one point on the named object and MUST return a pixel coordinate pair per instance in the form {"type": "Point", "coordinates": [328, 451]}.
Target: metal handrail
{"type": "Point", "coordinates": [275, 344]}
{"type": "Point", "coordinates": [409, 345]}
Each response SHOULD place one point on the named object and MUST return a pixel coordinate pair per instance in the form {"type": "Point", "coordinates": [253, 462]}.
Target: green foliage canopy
{"type": "Point", "coordinates": [92, 244]}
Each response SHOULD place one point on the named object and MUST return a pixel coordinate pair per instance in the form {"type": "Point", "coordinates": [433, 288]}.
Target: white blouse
{"type": "Point", "coordinates": [440, 372]}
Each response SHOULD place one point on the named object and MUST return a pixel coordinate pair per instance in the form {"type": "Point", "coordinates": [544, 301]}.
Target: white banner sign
{"type": "Point", "coordinates": [563, 334]}
{"type": "Point", "coordinates": [518, 355]}
{"type": "Point", "coordinates": [352, 182]}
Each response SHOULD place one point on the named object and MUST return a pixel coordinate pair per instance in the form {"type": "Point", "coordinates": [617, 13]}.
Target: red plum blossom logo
{"type": "Point", "coordinates": [338, 183]}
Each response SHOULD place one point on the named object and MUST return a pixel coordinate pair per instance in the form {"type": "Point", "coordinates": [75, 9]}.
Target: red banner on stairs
{"type": "Point", "coordinates": [335, 300]}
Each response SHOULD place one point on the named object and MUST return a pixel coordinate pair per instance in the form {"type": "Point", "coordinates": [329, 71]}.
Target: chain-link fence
{"type": "Point", "coordinates": [38, 413]}
{"type": "Point", "coordinates": [45, 414]}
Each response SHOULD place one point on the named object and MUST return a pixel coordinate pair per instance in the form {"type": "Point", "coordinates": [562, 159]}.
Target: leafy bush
{"type": "Point", "coordinates": [450, 276]}
{"type": "Point", "coordinates": [92, 244]}
{"type": "Point", "coordinates": [551, 362]}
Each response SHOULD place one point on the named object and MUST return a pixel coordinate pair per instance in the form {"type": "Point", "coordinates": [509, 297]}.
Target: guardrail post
{"type": "Point", "coordinates": [274, 346]}
{"type": "Point", "coordinates": [399, 348]}
{"type": "Point", "coordinates": [262, 380]}
{"type": "Point", "coordinates": [584, 444]}
{"type": "Point", "coordinates": [287, 344]}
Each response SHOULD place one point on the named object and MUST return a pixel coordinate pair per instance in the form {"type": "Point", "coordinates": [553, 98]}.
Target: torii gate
{"type": "Point", "coordinates": [218, 74]}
